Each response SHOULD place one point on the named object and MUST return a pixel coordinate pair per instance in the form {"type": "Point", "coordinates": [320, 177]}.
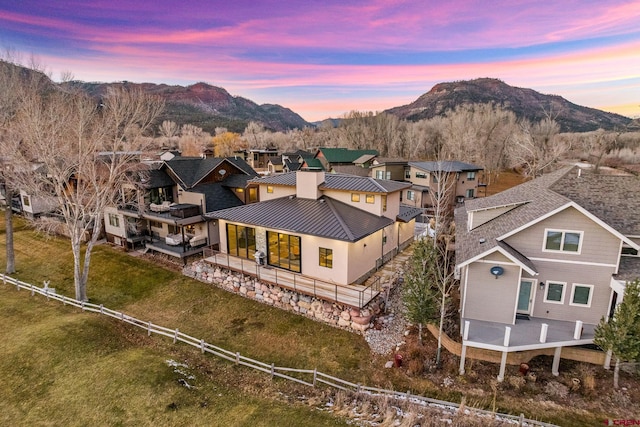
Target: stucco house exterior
{"type": "Point", "coordinates": [541, 263]}
{"type": "Point", "coordinates": [334, 227]}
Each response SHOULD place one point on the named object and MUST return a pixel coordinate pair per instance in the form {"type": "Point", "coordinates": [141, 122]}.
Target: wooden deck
{"type": "Point", "coordinates": [351, 295]}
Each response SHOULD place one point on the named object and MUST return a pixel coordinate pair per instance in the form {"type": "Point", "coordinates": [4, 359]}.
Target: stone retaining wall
{"type": "Point", "coordinates": [338, 315]}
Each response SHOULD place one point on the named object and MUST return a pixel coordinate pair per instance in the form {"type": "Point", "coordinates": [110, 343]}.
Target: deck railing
{"type": "Point", "coordinates": [326, 291]}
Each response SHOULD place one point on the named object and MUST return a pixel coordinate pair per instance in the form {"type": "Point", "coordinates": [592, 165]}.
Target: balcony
{"type": "Point", "coordinates": [528, 334]}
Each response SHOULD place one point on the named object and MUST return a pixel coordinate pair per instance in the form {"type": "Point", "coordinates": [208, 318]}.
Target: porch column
{"type": "Point", "coordinates": [556, 361]}
{"type": "Point", "coordinates": [463, 352]}
{"type": "Point", "coordinates": [503, 364]}
{"type": "Point", "coordinates": [543, 332]}
{"type": "Point", "coordinates": [503, 361]}
{"type": "Point", "coordinates": [577, 332]}
{"type": "Point", "coordinates": [607, 360]}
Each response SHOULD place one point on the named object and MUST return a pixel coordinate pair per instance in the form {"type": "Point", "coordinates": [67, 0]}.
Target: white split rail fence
{"type": "Point", "coordinates": [275, 371]}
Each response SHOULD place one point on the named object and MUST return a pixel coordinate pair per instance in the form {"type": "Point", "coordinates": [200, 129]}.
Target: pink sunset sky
{"type": "Point", "coordinates": [324, 58]}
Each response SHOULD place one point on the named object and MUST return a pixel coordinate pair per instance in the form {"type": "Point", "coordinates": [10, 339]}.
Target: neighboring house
{"type": "Point", "coordinates": [334, 227]}
{"type": "Point", "coordinates": [458, 179]}
{"type": "Point", "coordinates": [258, 159]}
{"type": "Point", "coordinates": [339, 160]}
{"type": "Point", "coordinates": [541, 263]}
{"type": "Point", "coordinates": [293, 161]}
{"type": "Point", "coordinates": [275, 165]}
{"type": "Point", "coordinates": [383, 168]}
{"type": "Point", "coordinates": [169, 216]}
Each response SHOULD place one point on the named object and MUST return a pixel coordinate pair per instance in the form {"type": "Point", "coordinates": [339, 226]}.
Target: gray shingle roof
{"type": "Point", "coordinates": [191, 170]}
{"type": "Point", "coordinates": [324, 217]}
{"type": "Point", "coordinates": [535, 201]}
{"type": "Point", "coordinates": [613, 199]}
{"type": "Point", "coordinates": [217, 196]}
{"type": "Point", "coordinates": [445, 166]}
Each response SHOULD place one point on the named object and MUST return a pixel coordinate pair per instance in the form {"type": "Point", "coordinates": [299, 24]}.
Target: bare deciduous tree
{"type": "Point", "coordinates": [88, 151]}
{"type": "Point", "coordinates": [536, 147]}
{"type": "Point", "coordinates": [17, 83]}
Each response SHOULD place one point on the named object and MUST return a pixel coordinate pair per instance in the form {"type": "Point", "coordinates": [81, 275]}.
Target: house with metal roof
{"type": "Point", "coordinates": [167, 216]}
{"type": "Point", "coordinates": [335, 227]}
{"type": "Point", "coordinates": [541, 263]}
{"type": "Point", "coordinates": [341, 160]}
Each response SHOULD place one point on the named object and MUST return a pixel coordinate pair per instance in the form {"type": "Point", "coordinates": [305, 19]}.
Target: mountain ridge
{"type": "Point", "coordinates": [524, 102]}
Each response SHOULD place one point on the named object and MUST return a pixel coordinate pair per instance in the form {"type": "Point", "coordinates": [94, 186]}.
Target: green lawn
{"type": "Point", "coordinates": [77, 368]}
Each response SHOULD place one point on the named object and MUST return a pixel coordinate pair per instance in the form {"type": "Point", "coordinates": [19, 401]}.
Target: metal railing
{"type": "Point", "coordinates": [327, 291]}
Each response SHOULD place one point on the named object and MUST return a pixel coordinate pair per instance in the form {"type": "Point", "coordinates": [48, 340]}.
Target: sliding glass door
{"type": "Point", "coordinates": [284, 251]}
{"type": "Point", "coordinates": [241, 241]}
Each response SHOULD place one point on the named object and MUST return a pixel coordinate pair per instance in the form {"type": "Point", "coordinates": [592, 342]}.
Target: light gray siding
{"type": "Point", "coordinates": [489, 298]}
{"type": "Point", "coordinates": [598, 244]}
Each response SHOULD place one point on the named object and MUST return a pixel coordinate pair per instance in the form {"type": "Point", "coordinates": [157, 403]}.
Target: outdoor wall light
{"type": "Point", "coordinates": [541, 285]}
{"type": "Point", "coordinates": [497, 271]}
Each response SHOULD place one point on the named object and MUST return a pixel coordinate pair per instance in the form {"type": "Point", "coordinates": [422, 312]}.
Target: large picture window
{"type": "Point", "coordinates": [581, 295]}
{"type": "Point", "coordinates": [284, 251]}
{"type": "Point", "coordinates": [241, 241]}
{"type": "Point", "coordinates": [563, 241]}
{"type": "Point", "coordinates": [326, 257]}
{"type": "Point", "coordinates": [554, 292]}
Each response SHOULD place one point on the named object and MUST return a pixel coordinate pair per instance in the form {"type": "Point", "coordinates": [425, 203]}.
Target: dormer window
{"type": "Point", "coordinates": [562, 241]}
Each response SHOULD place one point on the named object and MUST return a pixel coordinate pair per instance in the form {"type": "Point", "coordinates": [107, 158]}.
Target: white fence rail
{"type": "Point", "coordinates": [275, 371]}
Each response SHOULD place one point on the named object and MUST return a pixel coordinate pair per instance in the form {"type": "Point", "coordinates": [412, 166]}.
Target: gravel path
{"type": "Point", "coordinates": [393, 326]}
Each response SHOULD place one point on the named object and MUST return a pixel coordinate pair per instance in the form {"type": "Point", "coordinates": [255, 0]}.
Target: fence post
{"type": "Point", "coordinates": [315, 375]}
{"type": "Point", "coordinates": [237, 357]}
{"type": "Point", "coordinates": [202, 346]}
{"type": "Point", "coordinates": [82, 305]}
{"type": "Point", "coordinates": [101, 309]}
{"type": "Point", "coordinates": [64, 300]}
{"type": "Point", "coordinates": [122, 316]}
{"type": "Point", "coordinates": [46, 292]}
{"type": "Point", "coordinates": [32, 289]}
{"type": "Point", "coordinates": [4, 279]}
{"type": "Point", "coordinates": [272, 369]}
{"type": "Point", "coordinates": [148, 329]}
{"type": "Point", "coordinates": [175, 336]}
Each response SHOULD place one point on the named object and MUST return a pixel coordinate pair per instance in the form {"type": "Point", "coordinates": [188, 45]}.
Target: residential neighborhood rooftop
{"type": "Point", "coordinates": [323, 217]}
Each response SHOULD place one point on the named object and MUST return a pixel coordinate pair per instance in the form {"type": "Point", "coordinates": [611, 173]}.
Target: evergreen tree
{"type": "Point", "coordinates": [419, 296]}
{"type": "Point", "coordinates": [621, 334]}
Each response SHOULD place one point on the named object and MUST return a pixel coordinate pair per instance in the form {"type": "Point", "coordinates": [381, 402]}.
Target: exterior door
{"type": "Point", "coordinates": [524, 297]}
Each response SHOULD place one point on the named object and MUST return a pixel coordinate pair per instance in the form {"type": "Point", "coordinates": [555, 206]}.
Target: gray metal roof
{"type": "Point", "coordinates": [338, 181]}
{"type": "Point", "coordinates": [445, 166]}
{"type": "Point", "coordinates": [287, 178]}
{"type": "Point", "coordinates": [365, 184]}
{"type": "Point", "coordinates": [324, 217]}
{"type": "Point", "coordinates": [407, 213]}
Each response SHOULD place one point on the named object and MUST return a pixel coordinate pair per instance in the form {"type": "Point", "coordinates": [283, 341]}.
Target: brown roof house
{"type": "Point", "coordinates": [331, 231]}
{"type": "Point", "coordinates": [541, 263]}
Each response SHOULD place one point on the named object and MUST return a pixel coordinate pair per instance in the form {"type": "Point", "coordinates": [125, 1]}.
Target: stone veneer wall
{"type": "Point", "coordinates": [339, 315]}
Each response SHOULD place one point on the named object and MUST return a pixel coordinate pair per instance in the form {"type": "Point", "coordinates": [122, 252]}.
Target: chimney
{"type": "Point", "coordinates": [307, 183]}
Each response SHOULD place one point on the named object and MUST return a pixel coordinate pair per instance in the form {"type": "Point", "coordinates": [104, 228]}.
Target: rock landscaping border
{"type": "Point", "coordinates": [334, 314]}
